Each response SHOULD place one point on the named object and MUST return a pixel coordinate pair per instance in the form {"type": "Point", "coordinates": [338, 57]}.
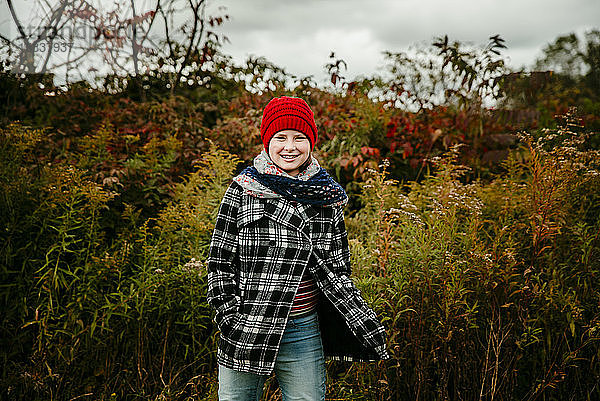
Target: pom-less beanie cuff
{"type": "Point", "coordinates": [283, 113]}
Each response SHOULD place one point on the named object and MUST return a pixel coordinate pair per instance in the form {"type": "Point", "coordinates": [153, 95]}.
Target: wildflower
{"type": "Point", "coordinates": [194, 265]}
{"type": "Point", "coordinates": [413, 218]}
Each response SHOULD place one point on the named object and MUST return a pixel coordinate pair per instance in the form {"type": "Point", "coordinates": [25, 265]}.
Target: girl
{"type": "Point", "coordinates": [279, 268]}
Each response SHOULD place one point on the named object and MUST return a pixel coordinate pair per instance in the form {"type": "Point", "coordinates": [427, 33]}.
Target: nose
{"type": "Point", "coordinates": [290, 144]}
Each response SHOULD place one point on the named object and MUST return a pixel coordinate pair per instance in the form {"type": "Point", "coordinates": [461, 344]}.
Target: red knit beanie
{"type": "Point", "coordinates": [284, 113]}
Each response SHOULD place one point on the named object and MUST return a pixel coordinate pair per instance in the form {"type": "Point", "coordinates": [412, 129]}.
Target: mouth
{"type": "Point", "coordinates": [289, 157]}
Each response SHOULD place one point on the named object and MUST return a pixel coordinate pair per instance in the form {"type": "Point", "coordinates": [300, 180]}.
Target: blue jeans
{"type": "Point", "coordinates": [299, 368]}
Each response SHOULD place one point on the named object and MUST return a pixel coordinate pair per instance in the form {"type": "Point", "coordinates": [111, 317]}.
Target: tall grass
{"type": "Point", "coordinates": [86, 315]}
{"type": "Point", "coordinates": [488, 290]}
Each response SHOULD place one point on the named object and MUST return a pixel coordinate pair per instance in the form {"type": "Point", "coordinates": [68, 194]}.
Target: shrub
{"type": "Point", "coordinates": [485, 288]}
{"type": "Point", "coordinates": [121, 317]}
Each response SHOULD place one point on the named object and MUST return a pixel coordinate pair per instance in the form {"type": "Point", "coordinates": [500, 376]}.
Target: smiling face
{"type": "Point", "coordinates": [289, 150]}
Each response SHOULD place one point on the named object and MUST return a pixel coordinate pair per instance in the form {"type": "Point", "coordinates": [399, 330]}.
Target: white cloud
{"type": "Point", "coordinates": [300, 35]}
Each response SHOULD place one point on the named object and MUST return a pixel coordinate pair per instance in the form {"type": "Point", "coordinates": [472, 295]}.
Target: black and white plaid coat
{"type": "Point", "coordinates": [259, 250]}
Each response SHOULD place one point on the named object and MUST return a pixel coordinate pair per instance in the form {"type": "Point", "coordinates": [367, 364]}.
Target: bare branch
{"type": "Point", "coordinates": [202, 26]}
{"type": "Point", "coordinates": [167, 35]}
{"type": "Point", "coordinates": [87, 51]}
{"type": "Point", "coordinates": [17, 22]}
{"type": "Point", "coordinates": [5, 39]}
{"type": "Point", "coordinates": [52, 24]}
{"type": "Point", "coordinates": [134, 39]}
{"type": "Point", "coordinates": [56, 16]}
{"type": "Point", "coordinates": [195, 8]}
{"type": "Point", "coordinates": [147, 32]}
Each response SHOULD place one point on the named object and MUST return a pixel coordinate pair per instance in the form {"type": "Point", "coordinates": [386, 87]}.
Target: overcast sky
{"type": "Point", "coordinates": [299, 35]}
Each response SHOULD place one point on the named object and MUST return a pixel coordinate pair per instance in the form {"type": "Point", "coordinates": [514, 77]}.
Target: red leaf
{"type": "Point", "coordinates": [368, 151]}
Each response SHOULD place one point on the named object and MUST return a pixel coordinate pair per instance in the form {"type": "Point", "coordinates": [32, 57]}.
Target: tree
{"type": "Point", "coordinates": [576, 60]}
{"type": "Point", "coordinates": [444, 73]}
{"type": "Point", "coordinates": [87, 38]}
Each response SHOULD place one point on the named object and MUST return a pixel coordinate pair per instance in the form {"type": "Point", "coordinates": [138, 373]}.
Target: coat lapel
{"type": "Point", "coordinates": [295, 216]}
{"type": "Point", "coordinates": [282, 211]}
{"type": "Point", "coordinates": [307, 212]}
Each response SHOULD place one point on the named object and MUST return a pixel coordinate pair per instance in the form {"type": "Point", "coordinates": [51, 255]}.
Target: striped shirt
{"type": "Point", "coordinates": [306, 297]}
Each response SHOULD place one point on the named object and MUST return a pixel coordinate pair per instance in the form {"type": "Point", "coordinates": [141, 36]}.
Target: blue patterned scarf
{"type": "Point", "coordinates": [312, 186]}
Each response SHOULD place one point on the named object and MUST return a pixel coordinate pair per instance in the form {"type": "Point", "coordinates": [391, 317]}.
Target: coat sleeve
{"type": "Point", "coordinates": [222, 263]}
{"type": "Point", "coordinates": [340, 248]}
